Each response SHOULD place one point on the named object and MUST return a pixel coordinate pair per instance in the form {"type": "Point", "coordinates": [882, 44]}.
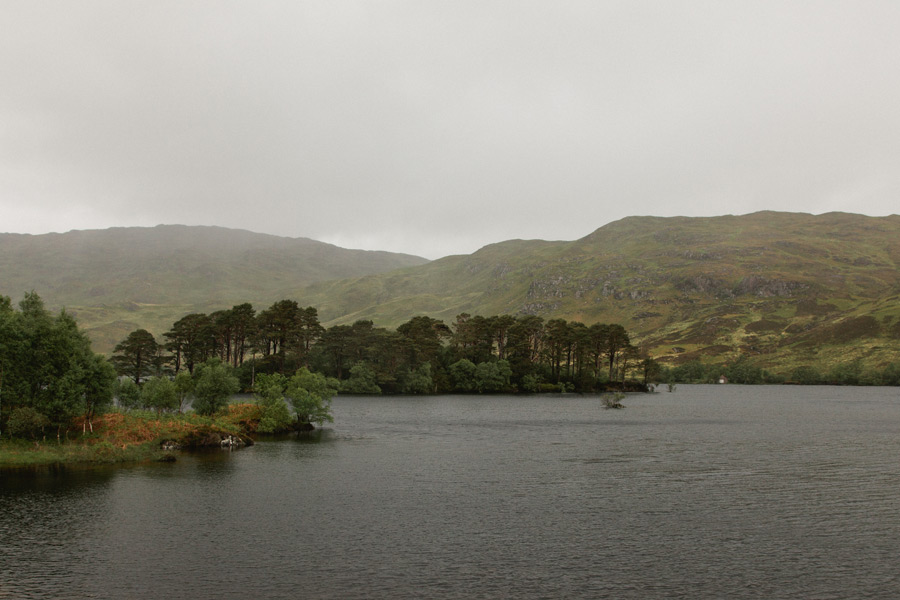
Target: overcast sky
{"type": "Point", "coordinates": [435, 128]}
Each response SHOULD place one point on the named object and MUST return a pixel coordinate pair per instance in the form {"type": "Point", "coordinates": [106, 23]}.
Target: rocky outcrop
{"type": "Point", "coordinates": [768, 288]}
{"type": "Point", "coordinates": [207, 437]}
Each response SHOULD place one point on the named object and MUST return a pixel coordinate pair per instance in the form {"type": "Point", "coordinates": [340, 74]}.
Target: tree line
{"type": "Point", "coordinates": [422, 356]}
{"type": "Point", "coordinates": [50, 377]}
{"type": "Point", "coordinates": [743, 371]}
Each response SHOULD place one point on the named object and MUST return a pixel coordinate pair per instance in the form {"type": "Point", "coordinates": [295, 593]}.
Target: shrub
{"type": "Point", "coordinates": [213, 385]}
{"type": "Point", "coordinates": [128, 394]}
{"type": "Point", "coordinates": [310, 394]}
{"type": "Point", "coordinates": [269, 392]}
{"type": "Point", "coordinates": [462, 372]}
{"type": "Point", "coordinates": [362, 381]}
{"type": "Point", "coordinates": [846, 373]}
{"type": "Point", "coordinates": [26, 422]}
{"type": "Point", "coordinates": [806, 375]}
{"type": "Point", "coordinates": [418, 381]}
{"type": "Point", "coordinates": [492, 376]}
{"type": "Point", "coordinates": [159, 394]}
{"type": "Point", "coordinates": [613, 400]}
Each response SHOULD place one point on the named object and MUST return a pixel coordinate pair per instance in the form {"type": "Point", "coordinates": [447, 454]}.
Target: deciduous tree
{"type": "Point", "coordinates": [214, 383]}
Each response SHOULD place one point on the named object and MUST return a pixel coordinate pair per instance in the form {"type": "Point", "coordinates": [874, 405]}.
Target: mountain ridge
{"type": "Point", "coordinates": [114, 280]}
{"type": "Point", "coordinates": [686, 287]}
{"type": "Point", "coordinates": [782, 288]}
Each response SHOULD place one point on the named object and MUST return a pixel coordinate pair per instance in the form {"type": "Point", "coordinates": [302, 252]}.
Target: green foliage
{"type": "Point", "coordinates": [269, 392]}
{"type": "Point", "coordinates": [160, 394]}
{"type": "Point", "coordinates": [806, 375]}
{"type": "Point", "coordinates": [847, 373]}
{"type": "Point", "coordinates": [692, 372]}
{"type": "Point", "coordinates": [418, 380]}
{"type": "Point", "coordinates": [462, 374]}
{"type": "Point", "coordinates": [24, 421]}
{"type": "Point", "coordinates": [214, 383]}
{"type": "Point", "coordinates": [137, 355]}
{"type": "Point", "coordinates": [530, 383]}
{"type": "Point", "coordinates": [492, 376]}
{"type": "Point", "coordinates": [128, 393]}
{"type": "Point", "coordinates": [275, 417]}
{"type": "Point", "coordinates": [651, 370]}
{"type": "Point", "coordinates": [613, 400]}
{"type": "Point", "coordinates": [743, 371]}
{"type": "Point", "coordinates": [363, 380]}
{"type": "Point", "coordinates": [310, 394]}
{"type": "Point", "coordinates": [269, 387]}
{"type": "Point", "coordinates": [891, 374]}
{"type": "Point", "coordinates": [184, 388]}
{"type": "Point", "coordinates": [99, 386]}
{"type": "Point", "coordinates": [46, 364]}
{"type": "Point", "coordinates": [423, 336]}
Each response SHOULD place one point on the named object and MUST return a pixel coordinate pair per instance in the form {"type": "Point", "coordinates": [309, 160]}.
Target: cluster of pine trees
{"type": "Point", "coordinates": [423, 355]}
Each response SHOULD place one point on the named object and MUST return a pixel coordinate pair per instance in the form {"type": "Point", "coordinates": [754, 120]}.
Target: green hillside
{"type": "Point", "coordinates": [116, 280]}
{"type": "Point", "coordinates": [787, 289]}
{"type": "Point", "coordinates": [784, 289]}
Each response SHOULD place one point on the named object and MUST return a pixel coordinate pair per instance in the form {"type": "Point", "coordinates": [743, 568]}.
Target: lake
{"type": "Point", "coordinates": [707, 492]}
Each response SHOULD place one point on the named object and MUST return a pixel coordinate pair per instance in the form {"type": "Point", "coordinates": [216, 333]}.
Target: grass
{"type": "Point", "coordinates": [127, 436]}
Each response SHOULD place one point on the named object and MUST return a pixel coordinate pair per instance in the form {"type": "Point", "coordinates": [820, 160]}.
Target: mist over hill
{"type": "Point", "coordinates": [115, 280]}
{"type": "Point", "coordinates": [785, 289]}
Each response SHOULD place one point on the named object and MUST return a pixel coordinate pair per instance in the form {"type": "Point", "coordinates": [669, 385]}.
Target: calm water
{"type": "Point", "coordinates": [709, 492]}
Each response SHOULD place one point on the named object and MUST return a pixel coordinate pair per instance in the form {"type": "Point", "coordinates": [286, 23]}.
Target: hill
{"type": "Point", "coordinates": [784, 288]}
{"type": "Point", "coordinates": [116, 280]}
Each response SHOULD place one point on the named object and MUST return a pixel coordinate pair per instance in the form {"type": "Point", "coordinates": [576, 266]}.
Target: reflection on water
{"type": "Point", "coordinates": [709, 492]}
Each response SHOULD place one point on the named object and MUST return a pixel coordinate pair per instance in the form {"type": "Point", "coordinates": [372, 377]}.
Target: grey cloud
{"type": "Point", "coordinates": [434, 128]}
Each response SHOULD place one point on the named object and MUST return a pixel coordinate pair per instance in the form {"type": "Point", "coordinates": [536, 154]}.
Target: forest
{"type": "Point", "coordinates": [50, 379]}
{"type": "Point", "coordinates": [474, 354]}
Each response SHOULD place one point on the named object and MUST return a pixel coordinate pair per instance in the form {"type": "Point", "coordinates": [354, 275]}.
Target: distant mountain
{"type": "Point", "coordinates": [114, 280]}
{"type": "Point", "coordinates": [785, 288]}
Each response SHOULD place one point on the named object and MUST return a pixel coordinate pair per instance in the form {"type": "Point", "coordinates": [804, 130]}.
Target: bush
{"type": "Point", "coordinates": [891, 375]}
{"type": "Point", "coordinates": [363, 380]}
{"type": "Point", "coordinates": [310, 394]}
{"type": "Point", "coordinates": [613, 400]}
{"type": "Point", "coordinates": [692, 372]}
{"type": "Point", "coordinates": [275, 417]}
{"type": "Point", "coordinates": [128, 393]}
{"type": "Point", "coordinates": [462, 372]}
{"type": "Point", "coordinates": [741, 371]}
{"type": "Point", "coordinates": [269, 392]}
{"type": "Point", "coordinates": [418, 381]}
{"type": "Point", "coordinates": [806, 375]}
{"type": "Point", "coordinates": [530, 383]}
{"type": "Point", "coordinates": [492, 376]}
{"type": "Point", "coordinates": [846, 373]}
{"type": "Point", "coordinates": [159, 394]}
{"type": "Point", "coordinates": [213, 385]}
{"type": "Point", "coordinates": [26, 422]}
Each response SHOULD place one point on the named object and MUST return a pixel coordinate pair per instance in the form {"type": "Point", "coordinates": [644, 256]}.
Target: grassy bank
{"type": "Point", "coordinates": [129, 436]}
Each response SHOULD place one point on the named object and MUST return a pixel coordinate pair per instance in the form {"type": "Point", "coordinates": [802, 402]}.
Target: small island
{"type": "Point", "coordinates": [60, 402]}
